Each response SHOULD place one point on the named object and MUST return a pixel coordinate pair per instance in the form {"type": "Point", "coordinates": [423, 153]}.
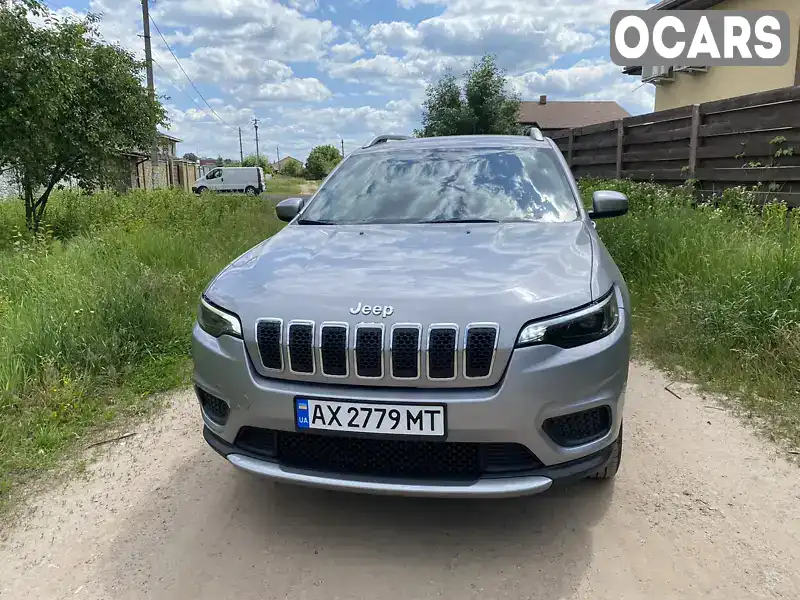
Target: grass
{"type": "Point", "coordinates": [289, 185]}
{"type": "Point", "coordinates": [715, 293]}
{"type": "Point", "coordinates": [96, 313]}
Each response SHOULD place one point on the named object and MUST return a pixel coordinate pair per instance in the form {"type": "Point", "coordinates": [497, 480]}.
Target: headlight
{"type": "Point", "coordinates": [576, 328]}
{"type": "Point", "coordinates": [215, 321]}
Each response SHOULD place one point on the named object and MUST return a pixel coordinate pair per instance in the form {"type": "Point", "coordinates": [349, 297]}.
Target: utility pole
{"type": "Point", "coordinates": [151, 87]}
{"type": "Point", "coordinates": [342, 148]}
{"type": "Point", "coordinates": [278, 152]}
{"type": "Point", "coordinates": [255, 124]}
{"type": "Point", "coordinates": [241, 151]}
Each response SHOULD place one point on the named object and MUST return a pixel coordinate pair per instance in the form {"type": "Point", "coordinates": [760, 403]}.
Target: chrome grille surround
{"type": "Point", "coordinates": [460, 338]}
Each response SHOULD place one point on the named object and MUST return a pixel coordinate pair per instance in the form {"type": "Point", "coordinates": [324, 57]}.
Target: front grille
{"type": "Point", "coordinates": [405, 352]}
{"type": "Point", "coordinates": [215, 408]}
{"type": "Point", "coordinates": [479, 351]}
{"type": "Point", "coordinates": [387, 354]}
{"type": "Point", "coordinates": [369, 352]}
{"type": "Point", "coordinates": [333, 350]}
{"type": "Point", "coordinates": [268, 336]}
{"type": "Point", "coordinates": [442, 353]}
{"type": "Point", "coordinates": [301, 354]}
{"type": "Point", "coordinates": [579, 428]}
{"type": "Point", "coordinates": [386, 457]}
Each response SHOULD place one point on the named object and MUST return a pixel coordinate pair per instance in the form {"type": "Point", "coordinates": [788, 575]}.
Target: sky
{"type": "Point", "coordinates": [322, 71]}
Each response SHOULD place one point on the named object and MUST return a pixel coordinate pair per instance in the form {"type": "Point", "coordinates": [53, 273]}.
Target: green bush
{"type": "Point", "coordinates": [96, 311]}
{"type": "Point", "coordinates": [715, 291]}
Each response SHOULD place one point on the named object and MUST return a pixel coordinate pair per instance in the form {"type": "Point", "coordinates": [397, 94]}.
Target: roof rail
{"type": "Point", "coordinates": [536, 134]}
{"type": "Point", "coordinates": [385, 138]}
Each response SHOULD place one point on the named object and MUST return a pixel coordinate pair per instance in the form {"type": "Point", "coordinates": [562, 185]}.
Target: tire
{"type": "Point", "coordinates": [201, 189]}
{"type": "Point", "coordinates": [608, 470]}
{"type": "Point", "coordinates": [250, 190]}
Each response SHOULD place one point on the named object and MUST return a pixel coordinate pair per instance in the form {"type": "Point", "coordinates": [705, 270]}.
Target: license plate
{"type": "Point", "coordinates": [383, 419]}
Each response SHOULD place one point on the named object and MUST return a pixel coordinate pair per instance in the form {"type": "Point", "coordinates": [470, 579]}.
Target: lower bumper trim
{"type": "Point", "coordinates": [482, 488]}
{"type": "Point", "coordinates": [487, 487]}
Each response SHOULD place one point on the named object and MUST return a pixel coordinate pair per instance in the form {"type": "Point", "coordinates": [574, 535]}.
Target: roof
{"type": "Point", "coordinates": [555, 114]}
{"type": "Point", "coordinates": [286, 159]}
{"type": "Point", "coordinates": [456, 141]}
{"type": "Point", "coordinates": [169, 137]}
{"type": "Point", "coordinates": [685, 4]}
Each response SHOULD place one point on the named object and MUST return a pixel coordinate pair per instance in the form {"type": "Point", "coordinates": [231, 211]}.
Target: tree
{"type": "Point", "coordinates": [220, 161]}
{"type": "Point", "coordinates": [321, 161]}
{"type": "Point", "coordinates": [69, 105]}
{"type": "Point", "coordinates": [191, 156]}
{"type": "Point", "coordinates": [251, 160]}
{"type": "Point", "coordinates": [484, 104]}
{"type": "Point", "coordinates": [292, 168]}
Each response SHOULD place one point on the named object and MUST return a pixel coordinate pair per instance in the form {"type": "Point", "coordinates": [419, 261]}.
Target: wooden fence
{"type": "Point", "coordinates": [739, 141]}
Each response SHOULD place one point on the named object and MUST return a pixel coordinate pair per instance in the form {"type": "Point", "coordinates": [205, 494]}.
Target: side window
{"type": "Point", "coordinates": [214, 174]}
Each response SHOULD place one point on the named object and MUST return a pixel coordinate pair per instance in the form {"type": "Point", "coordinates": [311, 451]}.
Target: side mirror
{"type": "Point", "coordinates": [288, 209]}
{"type": "Point", "coordinates": [606, 204]}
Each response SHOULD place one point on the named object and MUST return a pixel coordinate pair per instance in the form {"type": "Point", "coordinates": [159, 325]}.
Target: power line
{"type": "Point", "coordinates": [189, 79]}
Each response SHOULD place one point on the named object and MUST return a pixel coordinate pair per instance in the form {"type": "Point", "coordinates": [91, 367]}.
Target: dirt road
{"type": "Point", "coordinates": [701, 509]}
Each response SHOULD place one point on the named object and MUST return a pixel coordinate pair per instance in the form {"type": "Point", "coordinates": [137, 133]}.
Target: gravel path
{"type": "Point", "coordinates": [700, 509]}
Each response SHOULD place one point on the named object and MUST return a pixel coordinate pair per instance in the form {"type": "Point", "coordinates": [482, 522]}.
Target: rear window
{"type": "Point", "coordinates": [416, 186]}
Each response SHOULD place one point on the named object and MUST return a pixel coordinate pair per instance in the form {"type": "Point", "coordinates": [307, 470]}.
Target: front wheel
{"type": "Point", "coordinates": [201, 189]}
{"type": "Point", "coordinates": [608, 470]}
{"type": "Point", "coordinates": [250, 190]}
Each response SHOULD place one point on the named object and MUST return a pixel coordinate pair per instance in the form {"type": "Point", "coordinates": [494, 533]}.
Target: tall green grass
{"type": "Point", "coordinates": [715, 292]}
{"type": "Point", "coordinates": [96, 312]}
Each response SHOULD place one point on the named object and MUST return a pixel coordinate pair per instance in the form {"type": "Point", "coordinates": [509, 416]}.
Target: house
{"type": "Point", "coordinates": [280, 164]}
{"type": "Point", "coordinates": [551, 116]}
{"type": "Point", "coordinates": [680, 86]}
{"type": "Point", "coordinates": [172, 170]}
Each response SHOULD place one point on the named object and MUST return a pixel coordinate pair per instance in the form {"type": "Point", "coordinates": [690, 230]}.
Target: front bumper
{"type": "Point", "coordinates": [540, 382]}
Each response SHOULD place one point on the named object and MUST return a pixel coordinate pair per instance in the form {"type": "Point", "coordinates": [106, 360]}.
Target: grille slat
{"type": "Point", "coordinates": [268, 336]}
{"type": "Point", "coordinates": [479, 351]}
{"type": "Point", "coordinates": [387, 457]}
{"type": "Point", "coordinates": [333, 350]}
{"type": "Point", "coordinates": [442, 353]}
{"type": "Point", "coordinates": [301, 354]}
{"type": "Point", "coordinates": [369, 352]}
{"type": "Point", "coordinates": [446, 356]}
{"type": "Point", "coordinates": [405, 352]}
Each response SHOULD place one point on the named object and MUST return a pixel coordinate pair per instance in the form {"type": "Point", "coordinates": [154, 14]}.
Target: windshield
{"type": "Point", "coordinates": [435, 185]}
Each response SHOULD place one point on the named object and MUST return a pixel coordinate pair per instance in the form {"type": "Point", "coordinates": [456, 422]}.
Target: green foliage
{"type": "Point", "coordinates": [484, 105]}
{"type": "Point", "coordinates": [191, 156]}
{"type": "Point", "coordinates": [715, 291]}
{"type": "Point", "coordinates": [252, 160]}
{"type": "Point", "coordinates": [96, 309]}
{"type": "Point", "coordinates": [292, 168]}
{"type": "Point", "coordinates": [69, 104]}
{"type": "Point", "coordinates": [321, 161]}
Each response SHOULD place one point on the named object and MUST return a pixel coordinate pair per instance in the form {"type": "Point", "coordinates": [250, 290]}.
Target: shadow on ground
{"type": "Point", "coordinates": [216, 532]}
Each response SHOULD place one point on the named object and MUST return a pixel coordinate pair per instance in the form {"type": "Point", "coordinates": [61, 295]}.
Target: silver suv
{"type": "Point", "coordinates": [439, 319]}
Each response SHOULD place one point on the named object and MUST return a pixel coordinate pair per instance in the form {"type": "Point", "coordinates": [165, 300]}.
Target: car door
{"type": "Point", "coordinates": [214, 179]}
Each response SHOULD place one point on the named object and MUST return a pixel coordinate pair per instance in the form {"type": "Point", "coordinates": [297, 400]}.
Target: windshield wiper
{"type": "Point", "coordinates": [313, 222]}
{"type": "Point", "coordinates": [461, 221]}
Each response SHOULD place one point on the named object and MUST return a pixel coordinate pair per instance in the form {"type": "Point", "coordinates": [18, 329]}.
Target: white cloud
{"type": "Point", "coordinates": [309, 89]}
{"type": "Point", "coordinates": [304, 5]}
{"type": "Point", "coordinates": [346, 51]}
{"type": "Point", "coordinates": [396, 35]}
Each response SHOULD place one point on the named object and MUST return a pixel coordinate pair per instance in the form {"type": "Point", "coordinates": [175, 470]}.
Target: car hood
{"type": "Point", "coordinates": [511, 272]}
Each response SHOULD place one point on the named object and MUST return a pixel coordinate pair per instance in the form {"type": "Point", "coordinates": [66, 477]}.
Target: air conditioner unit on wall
{"type": "Point", "coordinates": [657, 74]}
{"type": "Point", "coordinates": [691, 69]}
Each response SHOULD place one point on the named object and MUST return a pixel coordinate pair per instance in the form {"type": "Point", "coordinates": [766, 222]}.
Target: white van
{"type": "Point", "coordinates": [249, 180]}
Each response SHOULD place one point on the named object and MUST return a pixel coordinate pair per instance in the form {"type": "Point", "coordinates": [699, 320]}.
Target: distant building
{"type": "Point", "coordinates": [172, 170]}
{"type": "Point", "coordinates": [280, 164]}
{"type": "Point", "coordinates": [551, 116]}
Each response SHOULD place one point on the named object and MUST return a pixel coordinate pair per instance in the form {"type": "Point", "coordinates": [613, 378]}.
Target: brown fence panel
{"type": "Point", "coordinates": [733, 142]}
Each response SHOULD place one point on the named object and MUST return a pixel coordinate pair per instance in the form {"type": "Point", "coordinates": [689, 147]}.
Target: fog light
{"type": "Point", "coordinates": [215, 408]}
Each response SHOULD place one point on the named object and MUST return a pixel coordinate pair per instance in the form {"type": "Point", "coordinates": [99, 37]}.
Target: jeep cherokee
{"type": "Point", "coordinates": [440, 318]}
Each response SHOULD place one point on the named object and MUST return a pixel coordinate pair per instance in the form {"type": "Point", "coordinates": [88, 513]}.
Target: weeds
{"type": "Point", "coordinates": [716, 292]}
{"type": "Point", "coordinates": [96, 309]}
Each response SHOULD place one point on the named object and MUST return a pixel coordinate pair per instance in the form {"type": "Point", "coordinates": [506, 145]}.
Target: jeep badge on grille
{"type": "Point", "coordinates": [365, 309]}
